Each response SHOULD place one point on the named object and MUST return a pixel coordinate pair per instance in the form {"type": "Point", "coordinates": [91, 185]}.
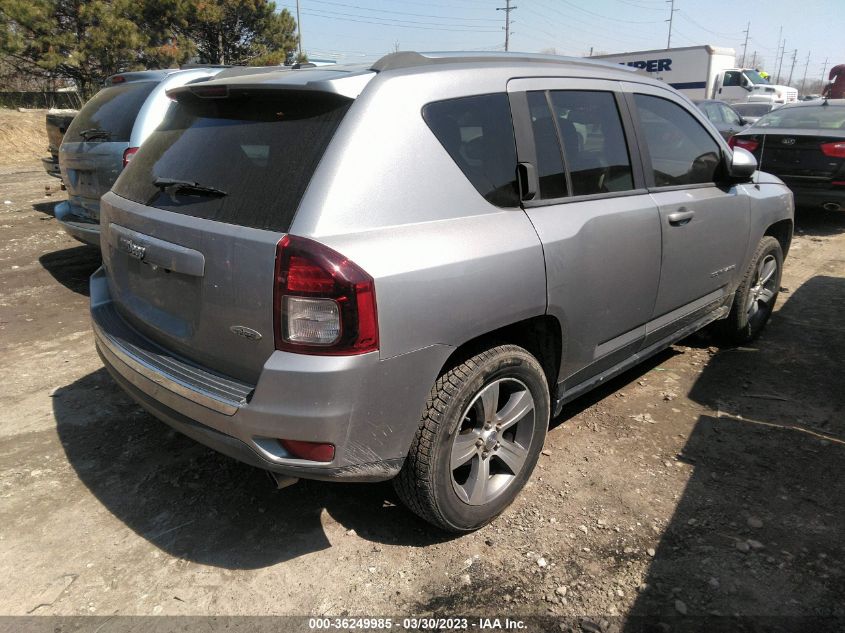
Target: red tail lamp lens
{"type": "Point", "coordinates": [312, 451]}
{"type": "Point", "coordinates": [834, 150]}
{"type": "Point", "coordinates": [744, 143]}
{"type": "Point", "coordinates": [322, 303]}
{"type": "Point", "coordinates": [128, 155]}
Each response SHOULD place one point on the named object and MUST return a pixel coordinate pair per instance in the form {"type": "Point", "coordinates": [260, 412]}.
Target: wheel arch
{"type": "Point", "coordinates": [782, 232]}
{"type": "Point", "coordinates": [542, 336]}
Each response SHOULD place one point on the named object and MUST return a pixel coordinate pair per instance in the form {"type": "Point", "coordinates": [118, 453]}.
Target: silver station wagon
{"type": "Point", "coordinates": [404, 270]}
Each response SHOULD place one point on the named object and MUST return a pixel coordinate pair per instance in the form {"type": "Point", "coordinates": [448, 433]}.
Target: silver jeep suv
{"type": "Point", "coordinates": [402, 271]}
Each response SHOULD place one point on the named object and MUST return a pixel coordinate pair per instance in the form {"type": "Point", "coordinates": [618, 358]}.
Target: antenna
{"type": "Point", "coordinates": [760, 163]}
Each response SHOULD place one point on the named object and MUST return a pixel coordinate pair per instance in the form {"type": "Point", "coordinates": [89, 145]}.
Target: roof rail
{"type": "Point", "coordinates": [411, 59]}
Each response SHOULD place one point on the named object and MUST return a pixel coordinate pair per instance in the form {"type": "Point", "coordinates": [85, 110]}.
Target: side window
{"type": "Point", "coordinates": [593, 141]}
{"type": "Point", "coordinates": [732, 78]}
{"type": "Point", "coordinates": [713, 112]}
{"type": "Point", "coordinates": [682, 152]}
{"type": "Point", "coordinates": [730, 115]}
{"type": "Point", "coordinates": [477, 132]}
{"type": "Point", "coordinates": [549, 158]}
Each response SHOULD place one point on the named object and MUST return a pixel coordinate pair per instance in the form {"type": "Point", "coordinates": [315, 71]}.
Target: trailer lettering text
{"type": "Point", "coordinates": [651, 65]}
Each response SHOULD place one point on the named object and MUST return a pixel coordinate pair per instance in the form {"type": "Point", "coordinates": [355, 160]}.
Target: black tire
{"type": "Point", "coordinates": [430, 485]}
{"type": "Point", "coordinates": [749, 313]}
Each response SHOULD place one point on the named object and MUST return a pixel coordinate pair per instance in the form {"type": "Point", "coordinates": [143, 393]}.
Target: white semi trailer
{"type": "Point", "coordinates": [705, 72]}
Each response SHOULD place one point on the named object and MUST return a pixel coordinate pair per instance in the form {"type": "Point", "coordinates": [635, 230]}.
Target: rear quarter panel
{"type": "Point", "coordinates": [448, 265]}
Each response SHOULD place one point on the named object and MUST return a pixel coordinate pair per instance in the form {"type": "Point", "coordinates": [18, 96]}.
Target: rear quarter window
{"type": "Point", "coordinates": [114, 110]}
{"type": "Point", "coordinates": [477, 132]}
{"type": "Point", "coordinates": [260, 151]}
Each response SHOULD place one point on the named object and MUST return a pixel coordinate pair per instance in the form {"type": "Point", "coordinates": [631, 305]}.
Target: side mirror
{"type": "Point", "coordinates": [743, 164]}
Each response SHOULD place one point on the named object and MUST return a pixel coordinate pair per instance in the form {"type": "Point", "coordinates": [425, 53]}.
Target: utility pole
{"type": "Point", "coordinates": [804, 80]}
{"type": "Point", "coordinates": [672, 10]}
{"type": "Point", "coordinates": [745, 45]}
{"type": "Point", "coordinates": [824, 68]}
{"type": "Point", "coordinates": [794, 57]}
{"type": "Point", "coordinates": [777, 54]}
{"type": "Point", "coordinates": [780, 63]}
{"type": "Point", "coordinates": [299, 28]}
{"type": "Point", "coordinates": [507, 9]}
{"type": "Point", "coordinates": [754, 60]}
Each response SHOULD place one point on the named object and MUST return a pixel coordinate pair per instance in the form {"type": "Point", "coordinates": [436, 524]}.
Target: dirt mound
{"type": "Point", "coordinates": [23, 137]}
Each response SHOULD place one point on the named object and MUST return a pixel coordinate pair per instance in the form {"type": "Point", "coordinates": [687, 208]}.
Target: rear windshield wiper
{"type": "Point", "coordinates": [187, 186]}
{"type": "Point", "coordinates": [95, 132]}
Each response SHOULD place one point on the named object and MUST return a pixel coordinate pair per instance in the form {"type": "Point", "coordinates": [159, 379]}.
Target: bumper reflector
{"type": "Point", "coordinates": [312, 451]}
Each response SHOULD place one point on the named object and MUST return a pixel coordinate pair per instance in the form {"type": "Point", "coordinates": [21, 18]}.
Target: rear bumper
{"type": "Point", "coordinates": [51, 166]}
{"type": "Point", "coordinates": [815, 196]}
{"type": "Point", "coordinates": [79, 227]}
{"type": "Point", "coordinates": [368, 408]}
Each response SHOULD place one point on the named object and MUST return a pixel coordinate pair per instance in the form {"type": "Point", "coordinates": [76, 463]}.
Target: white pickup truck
{"type": "Point", "coordinates": [705, 72]}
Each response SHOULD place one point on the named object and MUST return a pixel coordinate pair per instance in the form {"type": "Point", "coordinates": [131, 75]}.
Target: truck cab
{"type": "Point", "coordinates": [746, 84]}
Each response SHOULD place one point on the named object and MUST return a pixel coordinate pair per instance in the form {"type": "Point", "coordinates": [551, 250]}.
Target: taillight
{"type": "Point", "coordinates": [128, 154]}
{"type": "Point", "coordinates": [322, 302]}
{"type": "Point", "coordinates": [744, 143]}
{"type": "Point", "coordinates": [834, 150]}
{"type": "Point", "coordinates": [118, 79]}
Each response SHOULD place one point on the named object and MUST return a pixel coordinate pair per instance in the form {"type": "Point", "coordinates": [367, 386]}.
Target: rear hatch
{"type": "Point", "coordinates": [91, 154]}
{"type": "Point", "coordinates": [191, 226]}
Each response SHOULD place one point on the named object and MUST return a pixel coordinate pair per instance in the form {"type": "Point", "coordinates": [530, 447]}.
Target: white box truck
{"type": "Point", "coordinates": [704, 72]}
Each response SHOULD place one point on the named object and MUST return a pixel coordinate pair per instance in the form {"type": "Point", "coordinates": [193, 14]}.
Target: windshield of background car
{"type": "Point", "coordinates": [113, 110]}
{"type": "Point", "coordinates": [259, 151]}
{"type": "Point", "coordinates": [754, 77]}
{"type": "Point", "coordinates": [805, 118]}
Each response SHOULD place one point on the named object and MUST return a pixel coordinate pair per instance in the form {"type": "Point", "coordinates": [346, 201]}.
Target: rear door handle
{"type": "Point", "coordinates": [681, 217]}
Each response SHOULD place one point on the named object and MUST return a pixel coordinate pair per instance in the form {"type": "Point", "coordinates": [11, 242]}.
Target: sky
{"type": "Point", "coordinates": [363, 30]}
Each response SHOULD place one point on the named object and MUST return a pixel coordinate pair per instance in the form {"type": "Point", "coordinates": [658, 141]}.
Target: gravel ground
{"type": "Point", "coordinates": [707, 481]}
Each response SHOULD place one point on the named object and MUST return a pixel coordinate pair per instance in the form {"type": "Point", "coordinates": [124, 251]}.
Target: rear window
{"type": "Point", "coordinates": [260, 151]}
{"type": "Point", "coordinates": [112, 110]}
{"type": "Point", "coordinates": [478, 134]}
{"type": "Point", "coordinates": [806, 118]}
{"type": "Point", "coordinates": [752, 109]}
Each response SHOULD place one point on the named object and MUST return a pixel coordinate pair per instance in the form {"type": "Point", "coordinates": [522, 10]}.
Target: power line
{"type": "Point", "coordinates": [417, 15]}
{"type": "Point", "coordinates": [408, 24]}
{"type": "Point", "coordinates": [703, 28]}
{"type": "Point", "coordinates": [606, 17]}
